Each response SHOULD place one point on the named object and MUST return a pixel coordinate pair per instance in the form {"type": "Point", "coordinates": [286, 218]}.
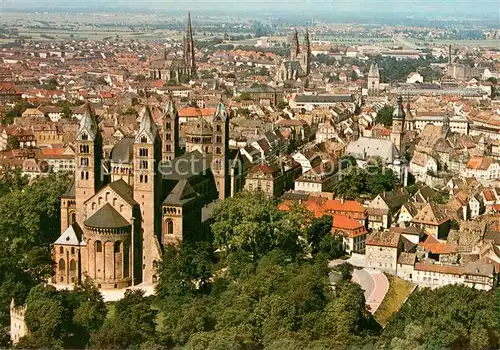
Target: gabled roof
{"type": "Point", "coordinates": [124, 190]}
{"type": "Point", "coordinates": [147, 127]}
{"type": "Point", "coordinates": [70, 192]}
{"type": "Point", "coordinates": [221, 113]}
{"type": "Point", "coordinates": [431, 215]}
{"type": "Point", "coordinates": [181, 194]}
{"type": "Point", "coordinates": [88, 123]}
{"type": "Point", "coordinates": [71, 236]}
{"type": "Point", "coordinates": [107, 217]}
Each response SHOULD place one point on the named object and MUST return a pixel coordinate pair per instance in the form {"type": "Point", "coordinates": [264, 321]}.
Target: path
{"type": "Point", "coordinates": [373, 282]}
{"type": "Point", "coordinates": [113, 294]}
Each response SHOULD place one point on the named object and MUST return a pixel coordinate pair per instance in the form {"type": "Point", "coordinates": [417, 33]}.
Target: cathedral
{"type": "Point", "coordinates": [299, 65]}
{"type": "Point", "coordinates": [177, 68]}
{"type": "Point", "coordinates": [119, 213]}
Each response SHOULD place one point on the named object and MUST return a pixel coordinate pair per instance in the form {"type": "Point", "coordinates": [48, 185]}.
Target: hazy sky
{"type": "Point", "coordinates": [434, 7]}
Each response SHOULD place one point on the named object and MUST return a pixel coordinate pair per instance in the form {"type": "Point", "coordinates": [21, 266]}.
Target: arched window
{"type": "Point", "coordinates": [114, 202]}
{"type": "Point", "coordinates": [117, 246]}
{"type": "Point", "coordinates": [98, 246]}
{"type": "Point", "coordinates": [155, 264]}
{"type": "Point", "coordinates": [85, 136]}
{"type": "Point", "coordinates": [99, 200]}
{"type": "Point", "coordinates": [62, 265]}
{"type": "Point", "coordinates": [61, 250]}
{"type": "Point", "coordinates": [73, 218]}
{"type": "Point", "coordinates": [86, 175]}
{"type": "Point", "coordinates": [170, 227]}
{"type": "Point", "coordinates": [121, 208]}
{"type": "Point", "coordinates": [144, 139]}
{"type": "Point", "coordinates": [72, 250]}
{"type": "Point", "coordinates": [93, 205]}
{"type": "Point", "coordinates": [145, 179]}
{"type": "Point", "coordinates": [106, 196]}
{"type": "Point", "coordinates": [72, 265]}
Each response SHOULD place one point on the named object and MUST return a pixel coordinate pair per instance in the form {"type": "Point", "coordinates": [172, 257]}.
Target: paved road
{"type": "Point", "coordinates": [365, 280]}
{"type": "Point", "coordinates": [373, 282]}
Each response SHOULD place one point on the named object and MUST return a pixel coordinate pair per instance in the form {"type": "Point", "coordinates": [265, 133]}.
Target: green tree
{"type": "Point", "coordinates": [132, 324]}
{"type": "Point", "coordinates": [12, 142]}
{"type": "Point", "coordinates": [250, 223]}
{"type": "Point", "coordinates": [384, 115]}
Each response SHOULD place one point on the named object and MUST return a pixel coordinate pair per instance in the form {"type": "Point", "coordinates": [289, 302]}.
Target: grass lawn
{"type": "Point", "coordinates": [399, 290]}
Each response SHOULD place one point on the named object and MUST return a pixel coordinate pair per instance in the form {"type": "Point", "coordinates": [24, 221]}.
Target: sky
{"type": "Point", "coordinates": [434, 8]}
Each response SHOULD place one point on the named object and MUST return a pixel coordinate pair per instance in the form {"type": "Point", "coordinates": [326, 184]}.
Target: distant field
{"type": "Point", "coordinates": [461, 43]}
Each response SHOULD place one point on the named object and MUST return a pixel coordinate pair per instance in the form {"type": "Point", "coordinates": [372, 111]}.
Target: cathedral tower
{"type": "Point", "coordinates": [398, 122]}
{"type": "Point", "coordinates": [189, 47]}
{"type": "Point", "coordinates": [147, 190]}
{"type": "Point", "coordinates": [171, 148]}
{"type": "Point", "coordinates": [220, 155]}
{"type": "Point", "coordinates": [373, 80]}
{"type": "Point", "coordinates": [306, 52]}
{"type": "Point", "coordinates": [295, 50]}
{"type": "Point", "coordinates": [88, 161]}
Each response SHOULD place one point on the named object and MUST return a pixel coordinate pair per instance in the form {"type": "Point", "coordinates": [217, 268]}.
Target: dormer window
{"type": "Point", "coordinates": [144, 139]}
{"type": "Point", "coordinates": [85, 136]}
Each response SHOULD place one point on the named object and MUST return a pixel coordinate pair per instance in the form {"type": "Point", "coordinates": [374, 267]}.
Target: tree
{"type": "Point", "coordinates": [384, 115]}
{"type": "Point", "coordinates": [12, 142]}
{"type": "Point", "coordinates": [317, 230]}
{"type": "Point", "coordinates": [132, 323]}
{"type": "Point", "coordinates": [250, 223]}
{"type": "Point", "coordinates": [457, 317]}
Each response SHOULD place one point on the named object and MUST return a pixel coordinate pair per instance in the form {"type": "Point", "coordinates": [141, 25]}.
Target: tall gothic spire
{"type": "Point", "coordinates": [189, 46]}
{"type": "Point", "coordinates": [295, 46]}
{"type": "Point", "coordinates": [147, 127]}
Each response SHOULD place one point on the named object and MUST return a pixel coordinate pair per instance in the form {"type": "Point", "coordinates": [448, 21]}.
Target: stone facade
{"type": "Point", "coordinates": [114, 225]}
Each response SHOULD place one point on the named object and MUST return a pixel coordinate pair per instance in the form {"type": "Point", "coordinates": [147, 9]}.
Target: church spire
{"type": "Point", "coordinates": [189, 47]}
{"type": "Point", "coordinates": [221, 113]}
{"type": "Point", "coordinates": [88, 124]}
{"type": "Point", "coordinates": [147, 127]}
{"type": "Point", "coordinates": [399, 112]}
{"type": "Point", "coordinates": [295, 46]}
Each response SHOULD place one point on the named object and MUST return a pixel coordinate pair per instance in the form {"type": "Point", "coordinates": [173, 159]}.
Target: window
{"type": "Point", "coordinates": [86, 175]}
{"type": "Point", "coordinates": [170, 227]}
{"type": "Point", "coordinates": [93, 206]}
{"type": "Point", "coordinates": [144, 139]}
{"type": "Point", "coordinates": [168, 126]}
{"type": "Point", "coordinates": [99, 200]}
{"type": "Point", "coordinates": [143, 164]}
{"type": "Point", "coordinates": [62, 265]}
{"type": "Point", "coordinates": [117, 247]}
{"type": "Point", "coordinates": [169, 148]}
{"type": "Point", "coordinates": [168, 137]}
{"type": "Point", "coordinates": [61, 250]}
{"type": "Point", "coordinates": [218, 139]}
{"type": "Point", "coordinates": [98, 246]}
{"type": "Point", "coordinates": [85, 136]}
{"type": "Point", "coordinates": [143, 152]}
{"type": "Point", "coordinates": [73, 218]}
{"type": "Point", "coordinates": [72, 250]}
{"type": "Point", "coordinates": [219, 128]}
{"type": "Point", "coordinates": [145, 179]}
{"type": "Point", "coordinates": [84, 162]}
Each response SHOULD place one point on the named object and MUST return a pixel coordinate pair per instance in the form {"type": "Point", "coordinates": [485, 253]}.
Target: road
{"type": "Point", "coordinates": [373, 282]}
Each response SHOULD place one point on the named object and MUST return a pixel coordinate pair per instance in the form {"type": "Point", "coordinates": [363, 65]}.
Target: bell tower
{"type": "Point", "coordinates": [88, 161]}
{"type": "Point", "coordinates": [171, 148]}
{"type": "Point", "coordinates": [220, 153]}
{"type": "Point", "coordinates": [147, 190]}
{"type": "Point", "coordinates": [398, 122]}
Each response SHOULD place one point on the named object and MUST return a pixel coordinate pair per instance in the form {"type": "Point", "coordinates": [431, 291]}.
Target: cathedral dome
{"type": "Point", "coordinates": [123, 151]}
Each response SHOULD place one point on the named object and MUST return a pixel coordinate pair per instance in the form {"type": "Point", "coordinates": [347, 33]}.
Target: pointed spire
{"type": "Point", "coordinates": [170, 110]}
{"type": "Point", "coordinates": [399, 112]}
{"type": "Point", "coordinates": [221, 113]}
{"type": "Point", "coordinates": [88, 123]}
{"type": "Point", "coordinates": [374, 71]}
{"type": "Point", "coordinates": [147, 126]}
{"type": "Point", "coordinates": [306, 37]}
{"type": "Point", "coordinates": [189, 27]}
